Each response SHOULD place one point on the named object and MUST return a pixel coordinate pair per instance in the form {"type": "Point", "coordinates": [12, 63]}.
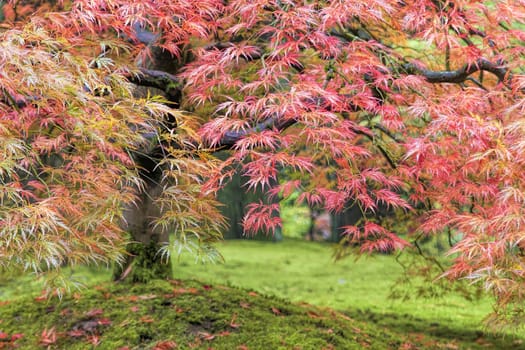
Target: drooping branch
{"type": "Point", "coordinates": [448, 76]}
{"type": "Point", "coordinates": [166, 81]}
{"type": "Point", "coordinates": [155, 78]}
{"type": "Point", "coordinates": [275, 122]}
{"type": "Point", "coordinates": [231, 137]}
{"type": "Point", "coordinates": [159, 79]}
{"type": "Point", "coordinates": [459, 75]}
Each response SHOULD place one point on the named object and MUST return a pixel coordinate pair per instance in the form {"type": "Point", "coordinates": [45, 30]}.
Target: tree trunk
{"type": "Point", "coordinates": [349, 216]}
{"type": "Point", "coordinates": [144, 262]}
{"type": "Point", "coordinates": [314, 213]}
{"type": "Point", "coordinates": [236, 199]}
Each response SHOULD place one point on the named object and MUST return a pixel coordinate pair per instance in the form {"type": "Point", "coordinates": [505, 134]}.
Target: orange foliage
{"type": "Point", "coordinates": [414, 105]}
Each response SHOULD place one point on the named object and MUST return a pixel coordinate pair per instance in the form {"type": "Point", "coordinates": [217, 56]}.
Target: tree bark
{"type": "Point", "coordinates": [144, 262]}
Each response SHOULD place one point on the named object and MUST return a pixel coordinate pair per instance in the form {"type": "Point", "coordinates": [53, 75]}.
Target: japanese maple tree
{"type": "Point", "coordinates": [415, 105]}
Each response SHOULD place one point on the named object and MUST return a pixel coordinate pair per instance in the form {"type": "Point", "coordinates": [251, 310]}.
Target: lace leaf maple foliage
{"type": "Point", "coordinates": [70, 130]}
{"type": "Point", "coordinates": [414, 105]}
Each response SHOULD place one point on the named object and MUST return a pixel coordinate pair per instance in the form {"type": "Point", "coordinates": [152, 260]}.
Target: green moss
{"type": "Point", "coordinates": [143, 264]}
{"type": "Point", "coordinates": [200, 316]}
{"type": "Point", "coordinates": [189, 314]}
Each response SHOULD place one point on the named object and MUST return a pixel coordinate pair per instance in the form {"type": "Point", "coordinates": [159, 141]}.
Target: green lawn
{"type": "Point", "coordinates": [304, 271]}
{"type": "Point", "coordinates": [17, 287]}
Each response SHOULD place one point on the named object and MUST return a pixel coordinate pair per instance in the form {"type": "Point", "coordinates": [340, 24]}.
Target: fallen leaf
{"type": "Point", "coordinates": [104, 321]}
{"type": "Point", "coordinates": [407, 346]}
{"type": "Point", "coordinates": [186, 290]}
{"type": "Point", "coordinates": [147, 319]}
{"type": "Point", "coordinates": [76, 333]}
{"type": "Point", "coordinates": [66, 312]}
{"type": "Point", "coordinates": [42, 297]}
{"type": "Point", "coordinates": [165, 345]}
{"type": "Point", "coordinates": [314, 315]}
{"type": "Point", "coordinates": [134, 308]}
{"type": "Point", "coordinates": [94, 339]}
{"type": "Point", "coordinates": [147, 297]}
{"type": "Point", "coordinates": [356, 330]}
{"type": "Point", "coordinates": [17, 336]}
{"type": "Point", "coordinates": [253, 294]}
{"type": "Point", "coordinates": [244, 305]}
{"type": "Point", "coordinates": [94, 312]}
{"type": "Point", "coordinates": [341, 315]}
{"type": "Point", "coordinates": [276, 311]}
{"type": "Point", "coordinates": [48, 337]}
{"type": "Point", "coordinates": [206, 336]}
{"type": "Point", "coordinates": [179, 291]}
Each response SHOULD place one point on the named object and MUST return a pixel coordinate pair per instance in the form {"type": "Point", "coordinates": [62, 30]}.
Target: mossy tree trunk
{"type": "Point", "coordinates": [143, 261]}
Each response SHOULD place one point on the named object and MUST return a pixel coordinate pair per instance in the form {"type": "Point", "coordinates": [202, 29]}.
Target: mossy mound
{"type": "Point", "coordinates": [189, 315]}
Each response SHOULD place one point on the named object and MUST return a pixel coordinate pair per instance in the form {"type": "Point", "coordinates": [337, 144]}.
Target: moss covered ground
{"type": "Point", "coordinates": [191, 315]}
{"type": "Point", "coordinates": [258, 299]}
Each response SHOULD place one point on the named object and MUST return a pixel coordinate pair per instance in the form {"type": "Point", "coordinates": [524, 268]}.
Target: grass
{"type": "Point", "coordinates": [304, 271]}
{"type": "Point", "coordinates": [17, 287]}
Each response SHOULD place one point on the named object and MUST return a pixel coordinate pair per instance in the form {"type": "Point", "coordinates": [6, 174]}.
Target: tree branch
{"type": "Point", "coordinates": [459, 75]}
{"type": "Point", "coordinates": [155, 78]}
{"type": "Point", "coordinates": [231, 137]}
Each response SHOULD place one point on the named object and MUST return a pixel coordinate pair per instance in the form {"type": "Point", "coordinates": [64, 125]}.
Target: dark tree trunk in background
{"type": "Point", "coordinates": [235, 200]}
{"type": "Point", "coordinates": [350, 216]}
{"type": "Point", "coordinates": [311, 229]}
